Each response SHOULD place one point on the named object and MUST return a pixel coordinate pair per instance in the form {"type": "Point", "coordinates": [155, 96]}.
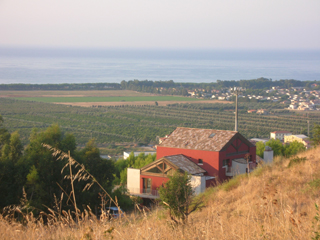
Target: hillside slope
{"type": "Point", "coordinates": [274, 202]}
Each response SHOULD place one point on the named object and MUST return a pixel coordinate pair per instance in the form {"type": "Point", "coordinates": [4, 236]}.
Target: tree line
{"type": "Point", "coordinates": [166, 87]}
{"type": "Point", "coordinates": [38, 174]}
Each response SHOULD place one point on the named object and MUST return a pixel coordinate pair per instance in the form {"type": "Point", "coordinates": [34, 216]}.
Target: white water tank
{"type": "Point", "coordinates": [268, 155]}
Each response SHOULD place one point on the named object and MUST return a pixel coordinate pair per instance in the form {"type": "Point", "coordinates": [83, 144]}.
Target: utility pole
{"type": "Point", "coordinates": [237, 91]}
{"type": "Point", "coordinates": [308, 128]}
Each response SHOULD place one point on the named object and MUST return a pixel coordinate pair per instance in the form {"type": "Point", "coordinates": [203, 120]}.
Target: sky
{"type": "Point", "coordinates": [165, 24]}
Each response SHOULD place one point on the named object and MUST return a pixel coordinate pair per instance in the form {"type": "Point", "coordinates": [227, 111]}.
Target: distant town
{"type": "Point", "coordinates": [298, 98]}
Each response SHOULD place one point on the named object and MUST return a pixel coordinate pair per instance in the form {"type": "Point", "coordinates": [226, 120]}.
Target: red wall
{"type": "Point", "coordinates": [210, 159]}
{"type": "Point", "coordinates": [156, 181]}
{"type": "Point", "coordinates": [223, 155]}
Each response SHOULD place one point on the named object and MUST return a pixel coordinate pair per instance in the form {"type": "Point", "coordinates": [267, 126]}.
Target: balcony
{"type": "Point", "coordinates": [145, 193]}
{"type": "Point", "coordinates": [229, 171]}
{"type": "Point", "coordinates": [150, 192]}
{"type": "Point", "coordinates": [239, 166]}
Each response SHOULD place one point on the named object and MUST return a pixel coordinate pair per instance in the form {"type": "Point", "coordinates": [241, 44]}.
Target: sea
{"type": "Point", "coordinates": [63, 65]}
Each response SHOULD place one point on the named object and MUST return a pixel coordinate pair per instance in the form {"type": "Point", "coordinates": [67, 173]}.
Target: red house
{"type": "Point", "coordinates": [218, 154]}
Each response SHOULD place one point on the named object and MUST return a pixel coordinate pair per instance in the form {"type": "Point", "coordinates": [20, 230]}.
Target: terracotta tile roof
{"type": "Point", "coordinates": [280, 132]}
{"type": "Point", "coordinates": [198, 139]}
{"type": "Point", "coordinates": [183, 163]}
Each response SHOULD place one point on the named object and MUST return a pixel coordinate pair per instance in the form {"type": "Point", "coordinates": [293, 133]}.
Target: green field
{"type": "Point", "coordinates": [105, 99]}
{"type": "Point", "coordinates": [111, 125]}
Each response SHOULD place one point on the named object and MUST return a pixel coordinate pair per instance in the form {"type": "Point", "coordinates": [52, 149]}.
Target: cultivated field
{"type": "Point", "coordinates": [136, 103]}
{"type": "Point", "coordinates": [106, 93]}
{"type": "Point", "coordinates": [100, 98]}
{"type": "Point", "coordinates": [143, 123]}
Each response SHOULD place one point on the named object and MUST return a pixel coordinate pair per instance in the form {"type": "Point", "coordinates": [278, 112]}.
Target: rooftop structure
{"type": "Point", "coordinates": [198, 139]}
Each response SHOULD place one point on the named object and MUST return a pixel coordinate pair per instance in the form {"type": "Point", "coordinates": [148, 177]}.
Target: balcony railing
{"type": "Point", "coordinates": [146, 191]}
{"type": "Point", "coordinates": [150, 191]}
{"type": "Point", "coordinates": [229, 171]}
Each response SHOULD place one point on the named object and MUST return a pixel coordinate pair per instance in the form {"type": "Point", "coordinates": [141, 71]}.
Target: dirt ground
{"type": "Point", "coordinates": [160, 103]}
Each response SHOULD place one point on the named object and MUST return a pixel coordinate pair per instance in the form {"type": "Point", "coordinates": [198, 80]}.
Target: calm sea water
{"type": "Point", "coordinates": [44, 66]}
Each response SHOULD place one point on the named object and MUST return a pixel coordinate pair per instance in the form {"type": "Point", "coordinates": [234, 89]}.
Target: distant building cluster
{"type": "Point", "coordinates": [298, 98]}
{"type": "Point", "coordinates": [286, 137]}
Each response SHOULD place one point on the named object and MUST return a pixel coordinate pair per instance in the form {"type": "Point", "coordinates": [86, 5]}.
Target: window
{"type": "Point", "coordinates": [212, 135]}
{"type": "Point", "coordinates": [154, 170]}
{"type": "Point", "coordinates": [225, 162]}
{"type": "Point", "coordinates": [165, 167]}
{"type": "Point", "coordinates": [159, 169]}
{"type": "Point", "coordinates": [146, 185]}
{"type": "Point", "coordinates": [200, 162]}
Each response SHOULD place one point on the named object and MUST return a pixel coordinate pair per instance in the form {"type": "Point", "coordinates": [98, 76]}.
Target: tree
{"type": "Point", "coordinates": [312, 97]}
{"type": "Point", "coordinates": [260, 147]}
{"type": "Point", "coordinates": [4, 134]}
{"type": "Point", "coordinates": [101, 169]}
{"type": "Point", "coordinates": [316, 135]}
{"type": "Point", "coordinates": [276, 146]}
{"type": "Point", "coordinates": [39, 160]}
{"type": "Point", "coordinates": [10, 153]}
{"type": "Point", "coordinates": [12, 150]}
{"type": "Point", "coordinates": [293, 148]}
{"type": "Point", "coordinates": [177, 195]}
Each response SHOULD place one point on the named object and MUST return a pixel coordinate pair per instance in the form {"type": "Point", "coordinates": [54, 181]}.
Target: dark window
{"type": "Point", "coordinates": [200, 161]}
{"type": "Point", "coordinates": [160, 166]}
{"type": "Point", "coordinates": [146, 185]}
{"type": "Point", "coordinates": [154, 170]}
{"type": "Point", "coordinates": [165, 166]}
{"type": "Point", "coordinates": [225, 162]}
{"type": "Point", "coordinates": [212, 135]}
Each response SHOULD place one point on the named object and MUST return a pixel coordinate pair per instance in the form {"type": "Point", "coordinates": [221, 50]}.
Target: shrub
{"type": "Point", "coordinates": [178, 196]}
{"type": "Point", "coordinates": [296, 160]}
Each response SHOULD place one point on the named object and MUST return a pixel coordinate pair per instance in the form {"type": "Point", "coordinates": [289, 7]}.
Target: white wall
{"type": "Point", "coordinates": [198, 184]}
{"type": "Point", "coordinates": [127, 154]}
{"type": "Point", "coordinates": [133, 180]}
{"type": "Point", "coordinates": [268, 156]}
{"type": "Point", "coordinates": [238, 168]}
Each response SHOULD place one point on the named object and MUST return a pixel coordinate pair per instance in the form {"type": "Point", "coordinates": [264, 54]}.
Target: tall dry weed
{"type": "Point", "coordinates": [276, 203]}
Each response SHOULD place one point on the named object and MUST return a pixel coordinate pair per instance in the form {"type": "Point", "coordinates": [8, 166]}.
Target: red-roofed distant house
{"type": "Point", "coordinates": [206, 154]}
{"type": "Point", "coordinates": [252, 111]}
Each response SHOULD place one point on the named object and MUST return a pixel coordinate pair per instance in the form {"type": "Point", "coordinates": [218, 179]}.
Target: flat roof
{"type": "Point", "coordinates": [281, 132]}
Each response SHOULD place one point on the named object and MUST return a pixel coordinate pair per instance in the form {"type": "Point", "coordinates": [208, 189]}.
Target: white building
{"type": "Point", "coordinates": [127, 154]}
{"type": "Point", "coordinates": [279, 135]}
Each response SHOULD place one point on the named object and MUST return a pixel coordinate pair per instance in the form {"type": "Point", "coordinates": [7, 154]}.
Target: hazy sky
{"type": "Point", "coordinates": [216, 24]}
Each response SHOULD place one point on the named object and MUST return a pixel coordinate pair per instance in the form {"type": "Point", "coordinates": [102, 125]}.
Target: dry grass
{"type": "Point", "coordinates": [274, 202]}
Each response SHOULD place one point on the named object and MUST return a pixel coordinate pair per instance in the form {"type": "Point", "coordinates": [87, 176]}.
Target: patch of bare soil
{"type": "Point", "coordinates": [138, 103]}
